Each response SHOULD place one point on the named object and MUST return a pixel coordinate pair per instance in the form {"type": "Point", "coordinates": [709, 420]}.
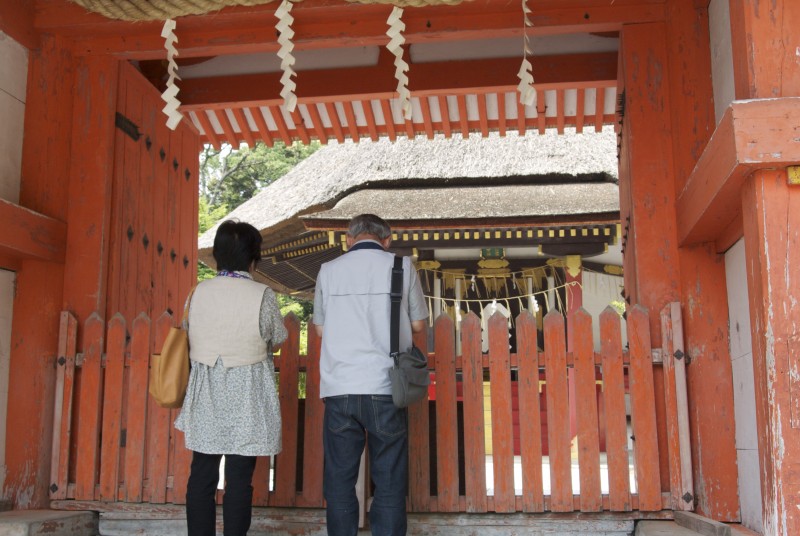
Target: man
{"type": "Point", "coordinates": [351, 313]}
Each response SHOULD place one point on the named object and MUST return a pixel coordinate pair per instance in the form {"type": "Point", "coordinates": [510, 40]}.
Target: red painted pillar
{"type": "Point", "coordinates": [772, 245]}
{"type": "Point", "coordinates": [663, 75]}
{"type": "Point", "coordinates": [702, 274]}
{"type": "Point", "coordinates": [765, 66]}
{"type": "Point", "coordinates": [38, 301]}
{"type": "Point", "coordinates": [66, 174]}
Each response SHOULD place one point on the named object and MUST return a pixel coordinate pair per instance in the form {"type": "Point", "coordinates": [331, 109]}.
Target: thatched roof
{"type": "Point", "coordinates": [476, 202]}
{"type": "Point", "coordinates": [336, 170]}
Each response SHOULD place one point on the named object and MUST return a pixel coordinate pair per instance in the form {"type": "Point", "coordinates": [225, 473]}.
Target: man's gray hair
{"type": "Point", "coordinates": [369, 224]}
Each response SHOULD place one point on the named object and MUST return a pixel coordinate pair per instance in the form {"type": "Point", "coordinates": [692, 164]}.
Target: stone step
{"type": "Point", "coordinates": [311, 522]}
{"type": "Point", "coordinates": [701, 525]}
{"type": "Point", "coordinates": [48, 523]}
{"type": "Point", "coordinates": [662, 528]}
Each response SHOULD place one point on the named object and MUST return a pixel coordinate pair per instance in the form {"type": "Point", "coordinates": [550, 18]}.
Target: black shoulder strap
{"type": "Point", "coordinates": [396, 296]}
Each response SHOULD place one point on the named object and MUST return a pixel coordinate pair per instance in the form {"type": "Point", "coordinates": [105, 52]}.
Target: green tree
{"type": "Point", "coordinates": [229, 177]}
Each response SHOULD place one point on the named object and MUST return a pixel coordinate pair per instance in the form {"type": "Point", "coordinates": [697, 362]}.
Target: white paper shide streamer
{"type": "Point", "coordinates": [170, 95]}
{"type": "Point", "coordinates": [285, 35]}
{"type": "Point", "coordinates": [527, 94]}
{"type": "Point", "coordinates": [395, 46]}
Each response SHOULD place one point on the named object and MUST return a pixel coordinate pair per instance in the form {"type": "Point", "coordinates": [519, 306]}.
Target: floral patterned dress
{"type": "Point", "coordinates": [236, 410]}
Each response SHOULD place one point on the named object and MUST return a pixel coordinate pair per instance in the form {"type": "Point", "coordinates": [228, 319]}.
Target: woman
{"type": "Point", "coordinates": [231, 406]}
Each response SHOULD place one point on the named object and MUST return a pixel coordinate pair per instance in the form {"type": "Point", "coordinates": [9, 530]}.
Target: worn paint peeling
{"type": "Point", "coordinates": [24, 494]}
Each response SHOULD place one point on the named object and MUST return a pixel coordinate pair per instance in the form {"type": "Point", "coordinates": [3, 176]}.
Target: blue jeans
{"type": "Point", "coordinates": [349, 421]}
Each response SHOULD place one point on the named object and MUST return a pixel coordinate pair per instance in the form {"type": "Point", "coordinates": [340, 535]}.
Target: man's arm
{"type": "Point", "coordinates": [318, 317]}
{"type": "Point", "coordinates": [418, 310]}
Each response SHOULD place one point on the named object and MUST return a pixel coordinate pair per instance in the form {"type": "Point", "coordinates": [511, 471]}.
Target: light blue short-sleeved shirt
{"type": "Point", "coordinates": [352, 302]}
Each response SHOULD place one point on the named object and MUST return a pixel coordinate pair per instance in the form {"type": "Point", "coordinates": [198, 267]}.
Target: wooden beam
{"type": "Point", "coordinates": [280, 122]}
{"type": "Point", "coordinates": [336, 124]}
{"type": "Point", "coordinates": [599, 108]}
{"type": "Point", "coordinates": [463, 116]}
{"type": "Point", "coordinates": [541, 112]}
{"type": "Point", "coordinates": [351, 120]}
{"type": "Point", "coordinates": [482, 119]}
{"type": "Point", "coordinates": [300, 126]}
{"type": "Point", "coordinates": [502, 119]}
{"type": "Point", "coordinates": [25, 234]}
{"type": "Point", "coordinates": [388, 118]}
{"type": "Point", "coordinates": [369, 116]}
{"type": "Point", "coordinates": [429, 78]}
{"type": "Point", "coordinates": [208, 129]}
{"type": "Point", "coordinates": [244, 127]}
{"type": "Point", "coordinates": [261, 124]}
{"type": "Point", "coordinates": [227, 127]}
{"type": "Point", "coordinates": [316, 122]}
{"type": "Point", "coordinates": [329, 23]}
{"type": "Point", "coordinates": [425, 106]}
{"type": "Point", "coordinates": [752, 135]}
{"type": "Point", "coordinates": [444, 111]}
{"type": "Point", "coordinates": [16, 21]}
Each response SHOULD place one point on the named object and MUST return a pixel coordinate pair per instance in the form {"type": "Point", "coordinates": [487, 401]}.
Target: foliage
{"type": "Point", "coordinates": [229, 177]}
{"type": "Point", "coordinates": [209, 216]}
{"type": "Point", "coordinates": [300, 307]}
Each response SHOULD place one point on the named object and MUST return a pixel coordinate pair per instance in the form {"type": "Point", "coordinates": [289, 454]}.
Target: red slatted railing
{"type": "Point", "coordinates": [463, 453]}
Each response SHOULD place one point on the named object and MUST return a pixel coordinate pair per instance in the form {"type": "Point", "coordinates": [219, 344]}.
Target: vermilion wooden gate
{"type": "Point", "coordinates": [149, 264]}
{"type": "Point", "coordinates": [127, 451]}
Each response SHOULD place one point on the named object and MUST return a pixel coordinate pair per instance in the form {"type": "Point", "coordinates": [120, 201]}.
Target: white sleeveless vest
{"type": "Point", "coordinates": [223, 322]}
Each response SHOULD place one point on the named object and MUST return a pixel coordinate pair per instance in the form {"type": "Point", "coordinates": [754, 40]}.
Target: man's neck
{"type": "Point", "coordinates": [367, 244]}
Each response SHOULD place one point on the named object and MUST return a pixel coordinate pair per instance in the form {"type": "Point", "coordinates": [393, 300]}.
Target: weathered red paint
{"type": "Point", "coordinates": [104, 478]}
{"type": "Point", "coordinates": [663, 273]}
{"type": "Point", "coordinates": [17, 21]}
{"type": "Point", "coordinates": [474, 418]}
{"type": "Point", "coordinates": [614, 401]}
{"type": "Point", "coordinates": [771, 244]}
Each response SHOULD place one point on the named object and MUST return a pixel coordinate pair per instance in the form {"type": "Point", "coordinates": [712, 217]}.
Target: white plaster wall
{"type": "Point", "coordinates": [744, 387]}
{"type": "Point", "coordinates": [13, 84]}
{"type": "Point", "coordinates": [599, 290]}
{"type": "Point", "coordinates": [719, 23]}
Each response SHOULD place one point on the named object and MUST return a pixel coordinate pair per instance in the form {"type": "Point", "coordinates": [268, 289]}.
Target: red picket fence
{"type": "Point", "coordinates": [113, 444]}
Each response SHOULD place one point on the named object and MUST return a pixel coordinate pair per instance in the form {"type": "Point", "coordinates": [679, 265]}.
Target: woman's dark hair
{"type": "Point", "coordinates": [236, 246]}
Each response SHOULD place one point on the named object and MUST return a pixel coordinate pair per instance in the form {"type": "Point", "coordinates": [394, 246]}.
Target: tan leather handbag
{"type": "Point", "coordinates": [169, 370]}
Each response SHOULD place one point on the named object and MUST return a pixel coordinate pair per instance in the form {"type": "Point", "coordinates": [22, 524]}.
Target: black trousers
{"type": "Point", "coordinates": [237, 503]}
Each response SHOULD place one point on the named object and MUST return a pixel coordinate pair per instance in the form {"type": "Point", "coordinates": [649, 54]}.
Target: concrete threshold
{"type": "Point", "coordinates": [311, 522]}
{"type": "Point", "coordinates": [48, 523]}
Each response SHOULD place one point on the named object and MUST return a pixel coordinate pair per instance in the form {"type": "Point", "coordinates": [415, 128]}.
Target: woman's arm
{"type": "Point", "coordinates": [270, 321]}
